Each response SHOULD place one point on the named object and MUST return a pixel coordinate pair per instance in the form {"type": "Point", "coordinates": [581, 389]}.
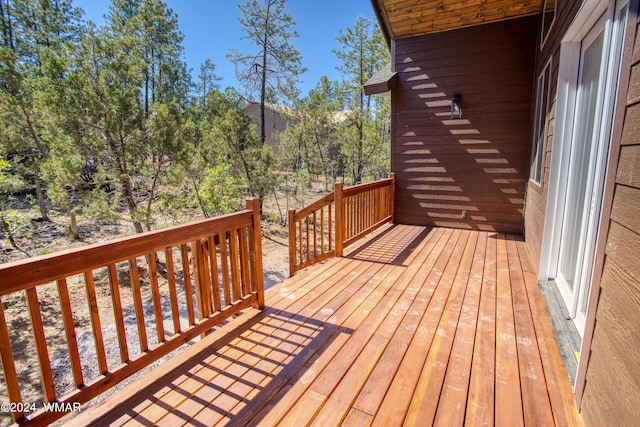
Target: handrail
{"type": "Point", "coordinates": [351, 213]}
{"type": "Point", "coordinates": [217, 262]}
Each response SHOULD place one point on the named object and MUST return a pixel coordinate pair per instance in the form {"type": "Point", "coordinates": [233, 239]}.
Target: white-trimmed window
{"type": "Point", "coordinates": [548, 18]}
{"type": "Point", "coordinates": [540, 124]}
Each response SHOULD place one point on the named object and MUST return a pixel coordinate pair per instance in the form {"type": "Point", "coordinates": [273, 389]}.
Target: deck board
{"type": "Point", "coordinates": [413, 326]}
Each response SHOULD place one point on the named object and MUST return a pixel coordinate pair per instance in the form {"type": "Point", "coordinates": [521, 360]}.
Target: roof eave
{"type": "Point", "coordinates": [382, 22]}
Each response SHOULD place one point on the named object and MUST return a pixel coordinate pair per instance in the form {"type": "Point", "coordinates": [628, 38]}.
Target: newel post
{"type": "Point", "coordinates": [292, 242]}
{"type": "Point", "coordinates": [253, 203]}
{"type": "Point", "coordinates": [339, 218]}
{"type": "Point", "coordinates": [392, 196]}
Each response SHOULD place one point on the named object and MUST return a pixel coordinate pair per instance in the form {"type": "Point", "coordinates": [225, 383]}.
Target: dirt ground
{"type": "Point", "coordinates": [48, 237]}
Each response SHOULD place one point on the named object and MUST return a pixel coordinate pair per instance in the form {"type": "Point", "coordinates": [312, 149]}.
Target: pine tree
{"type": "Point", "coordinates": [275, 64]}
{"type": "Point", "coordinates": [363, 53]}
{"type": "Point", "coordinates": [31, 31]}
{"type": "Point", "coordinates": [158, 43]}
{"type": "Point", "coordinates": [104, 115]}
{"type": "Point", "coordinates": [207, 81]}
{"type": "Point", "coordinates": [311, 143]}
{"type": "Point", "coordinates": [232, 133]}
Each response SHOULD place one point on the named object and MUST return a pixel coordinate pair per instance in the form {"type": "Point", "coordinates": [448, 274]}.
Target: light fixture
{"type": "Point", "coordinates": [456, 106]}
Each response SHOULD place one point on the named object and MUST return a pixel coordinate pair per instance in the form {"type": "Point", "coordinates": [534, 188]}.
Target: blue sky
{"type": "Point", "coordinates": [211, 28]}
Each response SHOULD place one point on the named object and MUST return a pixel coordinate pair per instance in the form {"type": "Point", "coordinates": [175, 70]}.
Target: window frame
{"type": "Point", "coordinates": [541, 125]}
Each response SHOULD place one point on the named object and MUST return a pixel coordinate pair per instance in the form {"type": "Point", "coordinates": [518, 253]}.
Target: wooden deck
{"type": "Point", "coordinates": [414, 325]}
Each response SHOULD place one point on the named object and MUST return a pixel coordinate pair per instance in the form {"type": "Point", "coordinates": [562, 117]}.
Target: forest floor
{"type": "Point", "coordinates": [45, 237]}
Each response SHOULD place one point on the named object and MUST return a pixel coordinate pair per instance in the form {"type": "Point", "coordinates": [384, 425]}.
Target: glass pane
{"type": "Point", "coordinates": [549, 14]}
{"type": "Point", "coordinates": [540, 136]}
{"type": "Point", "coordinates": [580, 155]}
{"type": "Point", "coordinates": [618, 42]}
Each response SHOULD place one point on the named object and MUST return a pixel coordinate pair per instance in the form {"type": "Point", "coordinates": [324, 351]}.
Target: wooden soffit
{"type": "Point", "coordinates": [409, 18]}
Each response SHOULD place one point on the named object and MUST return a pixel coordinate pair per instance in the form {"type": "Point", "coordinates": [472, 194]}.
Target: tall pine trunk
{"type": "Point", "coordinates": [42, 205]}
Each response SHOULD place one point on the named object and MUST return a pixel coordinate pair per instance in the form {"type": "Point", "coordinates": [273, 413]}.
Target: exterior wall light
{"type": "Point", "coordinates": [456, 106]}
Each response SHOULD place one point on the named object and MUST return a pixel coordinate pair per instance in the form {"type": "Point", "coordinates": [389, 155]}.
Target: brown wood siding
{"type": "Point", "coordinates": [478, 164]}
{"type": "Point", "coordinates": [536, 198]}
{"type": "Point", "coordinates": [611, 390]}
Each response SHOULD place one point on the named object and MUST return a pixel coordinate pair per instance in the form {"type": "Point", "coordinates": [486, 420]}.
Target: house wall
{"type": "Point", "coordinates": [608, 385]}
{"type": "Point", "coordinates": [478, 164]}
{"type": "Point", "coordinates": [274, 124]}
{"type": "Point", "coordinates": [610, 391]}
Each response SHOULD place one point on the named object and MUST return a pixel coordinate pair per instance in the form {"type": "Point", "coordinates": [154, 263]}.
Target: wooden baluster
{"type": "Point", "coordinates": [9, 366]}
{"type": "Point", "coordinates": [368, 209]}
{"type": "Point", "coordinates": [254, 205]}
{"type": "Point", "coordinates": [379, 211]}
{"type": "Point", "coordinates": [224, 262]}
{"type": "Point", "coordinates": [300, 248]}
{"type": "Point", "coordinates": [354, 207]}
{"type": "Point", "coordinates": [322, 251]}
{"type": "Point", "coordinates": [372, 206]}
{"type": "Point", "coordinates": [375, 197]}
{"type": "Point", "coordinates": [155, 295]}
{"type": "Point", "coordinates": [70, 332]}
{"type": "Point", "coordinates": [315, 235]}
{"type": "Point", "coordinates": [186, 274]}
{"type": "Point", "coordinates": [210, 253]}
{"type": "Point", "coordinates": [215, 280]}
{"type": "Point", "coordinates": [205, 277]}
{"type": "Point", "coordinates": [198, 274]}
{"type": "Point", "coordinates": [380, 197]}
{"type": "Point", "coordinates": [364, 207]}
{"type": "Point", "coordinates": [364, 211]}
{"type": "Point", "coordinates": [117, 312]}
{"type": "Point", "coordinates": [384, 201]}
{"type": "Point", "coordinates": [392, 196]}
{"type": "Point", "coordinates": [352, 215]}
{"type": "Point", "coordinates": [306, 221]}
{"type": "Point", "coordinates": [244, 262]}
{"type": "Point", "coordinates": [292, 241]}
{"type": "Point", "coordinates": [330, 233]}
{"type": "Point", "coordinates": [95, 322]}
{"type": "Point", "coordinates": [387, 201]}
{"type": "Point", "coordinates": [173, 292]}
{"type": "Point", "coordinates": [41, 345]}
{"type": "Point", "coordinates": [347, 217]}
{"type": "Point", "coordinates": [137, 303]}
{"type": "Point", "coordinates": [235, 267]}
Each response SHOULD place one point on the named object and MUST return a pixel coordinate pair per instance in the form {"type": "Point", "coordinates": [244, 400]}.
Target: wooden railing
{"type": "Point", "coordinates": [311, 233]}
{"type": "Point", "coordinates": [327, 226]}
{"type": "Point", "coordinates": [147, 284]}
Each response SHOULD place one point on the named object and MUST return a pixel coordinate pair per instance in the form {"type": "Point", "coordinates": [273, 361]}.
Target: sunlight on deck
{"type": "Point", "coordinates": [414, 325]}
